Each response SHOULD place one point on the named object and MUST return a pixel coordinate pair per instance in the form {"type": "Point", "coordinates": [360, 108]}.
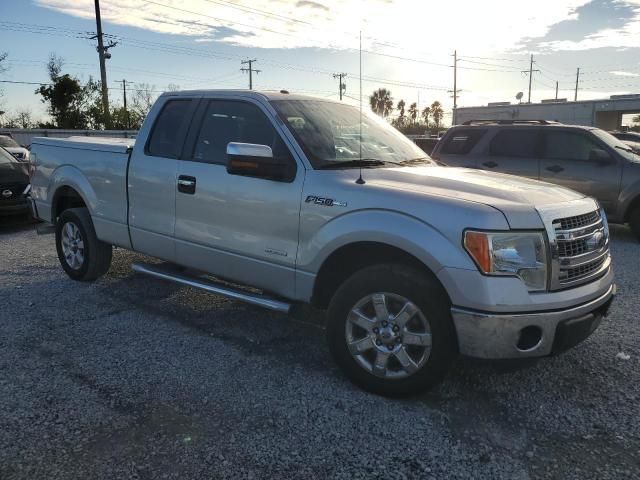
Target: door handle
{"type": "Point", "coordinates": [555, 168]}
{"type": "Point", "coordinates": [490, 164]}
{"type": "Point", "coordinates": [187, 184]}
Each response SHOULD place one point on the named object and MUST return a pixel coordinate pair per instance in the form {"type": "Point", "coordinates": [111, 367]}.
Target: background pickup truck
{"type": "Point", "coordinates": [302, 201]}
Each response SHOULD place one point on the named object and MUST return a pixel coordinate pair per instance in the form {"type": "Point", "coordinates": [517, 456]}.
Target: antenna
{"type": "Point", "coordinates": [360, 180]}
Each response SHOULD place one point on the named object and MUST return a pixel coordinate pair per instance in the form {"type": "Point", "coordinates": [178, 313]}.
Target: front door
{"type": "Point", "coordinates": [576, 160]}
{"type": "Point", "coordinates": [239, 228]}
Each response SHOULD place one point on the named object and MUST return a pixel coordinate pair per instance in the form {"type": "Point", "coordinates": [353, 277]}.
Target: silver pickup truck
{"type": "Point", "coordinates": [274, 199]}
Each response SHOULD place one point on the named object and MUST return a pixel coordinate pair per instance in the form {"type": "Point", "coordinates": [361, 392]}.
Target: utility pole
{"type": "Point", "coordinates": [103, 53]}
{"type": "Point", "coordinates": [455, 91]}
{"type": "Point", "coordinates": [124, 101]}
{"type": "Point", "coordinates": [342, 87]}
{"type": "Point", "coordinates": [575, 98]}
{"type": "Point", "coordinates": [250, 70]}
{"type": "Point", "coordinates": [556, 89]}
{"type": "Point", "coordinates": [530, 72]}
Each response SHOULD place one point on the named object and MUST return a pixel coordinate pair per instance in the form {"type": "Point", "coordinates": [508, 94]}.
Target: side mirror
{"type": "Point", "coordinates": [251, 160]}
{"type": "Point", "coordinates": [600, 156]}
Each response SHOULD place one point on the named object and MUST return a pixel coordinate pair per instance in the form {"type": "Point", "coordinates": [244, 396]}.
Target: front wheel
{"type": "Point", "coordinates": [634, 221]}
{"type": "Point", "coordinates": [82, 256]}
{"type": "Point", "coordinates": [390, 330]}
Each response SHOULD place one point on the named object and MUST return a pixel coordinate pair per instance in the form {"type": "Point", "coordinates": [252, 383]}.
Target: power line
{"type": "Point", "coordinates": [251, 70]}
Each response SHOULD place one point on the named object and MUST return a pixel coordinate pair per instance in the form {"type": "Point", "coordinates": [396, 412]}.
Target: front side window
{"type": "Point", "coordinates": [519, 143]}
{"type": "Point", "coordinates": [233, 121]}
{"type": "Point", "coordinates": [565, 145]}
{"type": "Point", "coordinates": [168, 131]}
{"type": "Point", "coordinates": [329, 134]}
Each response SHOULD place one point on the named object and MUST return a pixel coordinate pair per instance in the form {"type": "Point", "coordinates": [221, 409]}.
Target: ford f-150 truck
{"type": "Point", "coordinates": [276, 199]}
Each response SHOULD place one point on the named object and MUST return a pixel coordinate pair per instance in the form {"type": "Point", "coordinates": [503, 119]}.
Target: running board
{"type": "Point", "coordinates": [162, 272]}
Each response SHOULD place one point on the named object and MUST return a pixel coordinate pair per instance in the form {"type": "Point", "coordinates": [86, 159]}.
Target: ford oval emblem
{"type": "Point", "coordinates": [7, 193]}
{"type": "Point", "coordinates": [596, 241]}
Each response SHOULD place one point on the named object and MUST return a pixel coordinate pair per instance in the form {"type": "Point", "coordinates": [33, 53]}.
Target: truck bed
{"type": "Point", "coordinates": [94, 166]}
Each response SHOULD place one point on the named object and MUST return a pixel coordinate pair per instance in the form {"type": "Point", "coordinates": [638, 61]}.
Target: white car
{"type": "Point", "coordinates": [11, 146]}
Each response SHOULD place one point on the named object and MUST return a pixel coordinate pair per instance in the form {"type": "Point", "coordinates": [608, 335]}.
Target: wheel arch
{"type": "Point", "coordinates": [352, 257]}
{"type": "Point", "coordinates": [65, 197]}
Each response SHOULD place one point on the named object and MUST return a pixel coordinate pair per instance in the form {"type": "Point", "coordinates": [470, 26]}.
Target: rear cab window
{"type": "Point", "coordinates": [461, 142]}
{"type": "Point", "coordinates": [170, 128]}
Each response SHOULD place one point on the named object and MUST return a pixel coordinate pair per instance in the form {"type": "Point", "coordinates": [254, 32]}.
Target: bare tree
{"type": "Point", "coordinates": [23, 118]}
{"type": "Point", "coordinates": [143, 99]}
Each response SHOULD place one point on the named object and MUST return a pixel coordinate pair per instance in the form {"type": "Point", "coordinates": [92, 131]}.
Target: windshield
{"type": "Point", "coordinates": [621, 147]}
{"type": "Point", "coordinates": [6, 157]}
{"type": "Point", "coordinates": [329, 134]}
{"type": "Point", "coordinates": [7, 142]}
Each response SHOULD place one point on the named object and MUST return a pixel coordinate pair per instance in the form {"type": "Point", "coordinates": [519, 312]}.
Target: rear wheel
{"type": "Point", "coordinates": [390, 330]}
{"type": "Point", "coordinates": [82, 256]}
{"type": "Point", "coordinates": [634, 221]}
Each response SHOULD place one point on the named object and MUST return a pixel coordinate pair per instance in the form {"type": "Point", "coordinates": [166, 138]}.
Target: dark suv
{"type": "Point", "coordinates": [585, 159]}
{"type": "Point", "coordinates": [14, 185]}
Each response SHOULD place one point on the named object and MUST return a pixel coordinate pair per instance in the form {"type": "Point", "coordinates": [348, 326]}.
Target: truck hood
{"type": "Point", "coordinates": [516, 197]}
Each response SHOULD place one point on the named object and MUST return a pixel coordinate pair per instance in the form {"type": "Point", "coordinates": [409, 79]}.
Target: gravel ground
{"type": "Point", "coordinates": [131, 377]}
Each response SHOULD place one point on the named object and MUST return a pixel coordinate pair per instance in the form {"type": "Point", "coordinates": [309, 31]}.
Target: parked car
{"type": "Point", "coordinates": [585, 159]}
{"type": "Point", "coordinates": [413, 262]}
{"type": "Point", "coordinates": [14, 186]}
{"type": "Point", "coordinates": [9, 144]}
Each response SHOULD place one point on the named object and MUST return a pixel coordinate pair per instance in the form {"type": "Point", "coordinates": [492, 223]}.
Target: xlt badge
{"type": "Point", "coordinates": [327, 202]}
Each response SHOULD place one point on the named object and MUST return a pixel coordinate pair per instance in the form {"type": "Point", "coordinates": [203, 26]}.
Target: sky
{"type": "Point", "coordinates": [407, 46]}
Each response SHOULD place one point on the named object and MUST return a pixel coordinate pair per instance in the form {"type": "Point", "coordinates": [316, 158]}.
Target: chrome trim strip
{"type": "Point", "coordinates": [209, 286]}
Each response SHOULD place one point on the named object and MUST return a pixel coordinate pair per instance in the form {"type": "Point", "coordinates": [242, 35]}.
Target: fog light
{"type": "Point", "coordinates": [530, 338]}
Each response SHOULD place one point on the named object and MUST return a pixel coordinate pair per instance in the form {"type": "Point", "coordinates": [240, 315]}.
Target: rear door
{"type": "Point", "coordinates": [513, 150]}
{"type": "Point", "coordinates": [579, 161]}
{"type": "Point", "coordinates": [240, 228]}
{"type": "Point", "coordinates": [152, 178]}
{"type": "Point", "coordinates": [455, 149]}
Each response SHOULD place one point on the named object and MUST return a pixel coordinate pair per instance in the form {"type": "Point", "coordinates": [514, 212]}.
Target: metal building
{"type": "Point", "coordinates": [605, 113]}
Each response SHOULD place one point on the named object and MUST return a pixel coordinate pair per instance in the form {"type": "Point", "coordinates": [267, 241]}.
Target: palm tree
{"type": "Point", "coordinates": [381, 102]}
{"type": "Point", "coordinates": [437, 113]}
{"type": "Point", "coordinates": [413, 112]}
{"type": "Point", "coordinates": [400, 107]}
{"type": "Point", "coordinates": [426, 111]}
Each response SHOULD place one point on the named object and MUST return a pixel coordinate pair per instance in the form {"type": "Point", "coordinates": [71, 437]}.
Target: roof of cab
{"type": "Point", "coordinates": [264, 94]}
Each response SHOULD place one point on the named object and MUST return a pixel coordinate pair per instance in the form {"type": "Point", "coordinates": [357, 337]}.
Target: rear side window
{"type": "Point", "coordinates": [462, 141]}
{"type": "Point", "coordinates": [515, 143]}
{"type": "Point", "coordinates": [169, 129]}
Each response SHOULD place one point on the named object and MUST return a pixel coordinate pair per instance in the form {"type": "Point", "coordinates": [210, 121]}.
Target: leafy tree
{"type": "Point", "coordinates": [125, 120]}
{"type": "Point", "coordinates": [413, 112]}
{"type": "Point", "coordinates": [426, 112]}
{"type": "Point", "coordinates": [381, 102]}
{"type": "Point", "coordinates": [71, 104]}
{"type": "Point", "coordinates": [437, 113]}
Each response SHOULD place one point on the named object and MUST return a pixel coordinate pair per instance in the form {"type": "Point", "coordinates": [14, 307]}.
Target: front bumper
{"type": "Point", "coordinates": [532, 334]}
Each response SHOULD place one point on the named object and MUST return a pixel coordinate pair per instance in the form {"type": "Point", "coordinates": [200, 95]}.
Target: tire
{"type": "Point", "coordinates": [90, 258]}
{"type": "Point", "coordinates": [401, 287]}
{"type": "Point", "coordinates": [634, 221]}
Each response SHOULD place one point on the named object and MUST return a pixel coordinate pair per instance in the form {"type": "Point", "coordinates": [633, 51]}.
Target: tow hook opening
{"type": "Point", "coordinates": [530, 338]}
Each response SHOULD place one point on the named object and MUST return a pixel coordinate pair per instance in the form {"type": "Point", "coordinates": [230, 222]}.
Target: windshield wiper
{"type": "Point", "coordinates": [359, 162]}
{"type": "Point", "coordinates": [416, 160]}
{"type": "Point", "coordinates": [626, 149]}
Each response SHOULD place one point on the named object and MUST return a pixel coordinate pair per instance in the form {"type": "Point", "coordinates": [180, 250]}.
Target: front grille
{"type": "Point", "coordinates": [582, 243]}
{"type": "Point", "coordinates": [578, 221]}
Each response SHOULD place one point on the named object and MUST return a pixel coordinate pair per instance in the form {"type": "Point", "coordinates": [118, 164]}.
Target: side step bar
{"type": "Point", "coordinates": [161, 271]}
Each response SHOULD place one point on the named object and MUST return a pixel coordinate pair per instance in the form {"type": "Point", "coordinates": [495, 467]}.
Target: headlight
{"type": "Point", "coordinates": [523, 255]}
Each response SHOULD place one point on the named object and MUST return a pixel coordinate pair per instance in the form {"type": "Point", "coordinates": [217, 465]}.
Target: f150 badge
{"type": "Point", "coordinates": [327, 202]}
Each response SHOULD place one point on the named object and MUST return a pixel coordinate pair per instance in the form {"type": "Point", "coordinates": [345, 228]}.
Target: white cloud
{"type": "Point", "coordinates": [414, 25]}
{"type": "Point", "coordinates": [621, 73]}
{"type": "Point", "coordinates": [627, 36]}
